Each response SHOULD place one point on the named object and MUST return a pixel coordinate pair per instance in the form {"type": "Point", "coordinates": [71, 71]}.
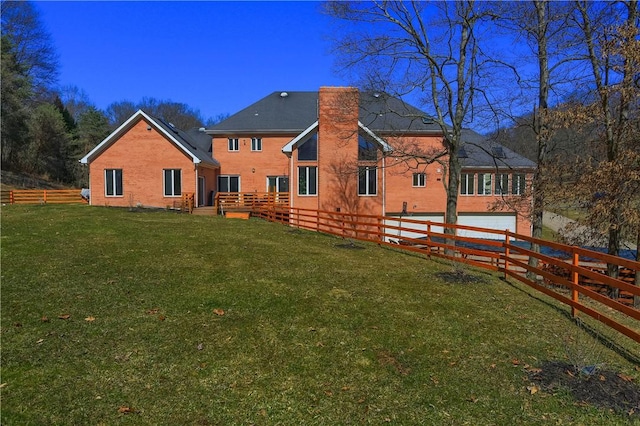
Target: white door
{"type": "Point", "coordinates": [410, 228]}
{"type": "Point", "coordinates": [497, 221]}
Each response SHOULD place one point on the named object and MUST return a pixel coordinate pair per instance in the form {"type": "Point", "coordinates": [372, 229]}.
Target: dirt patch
{"type": "Point", "coordinates": [386, 358]}
{"type": "Point", "coordinates": [350, 245]}
{"type": "Point", "coordinates": [590, 385]}
{"type": "Point", "coordinates": [459, 277]}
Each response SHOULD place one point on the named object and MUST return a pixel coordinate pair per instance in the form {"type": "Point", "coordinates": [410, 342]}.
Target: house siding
{"type": "Point", "coordinates": [142, 155]}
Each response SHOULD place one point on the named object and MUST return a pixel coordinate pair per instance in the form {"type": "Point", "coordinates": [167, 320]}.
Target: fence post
{"type": "Point", "coordinates": [507, 253]}
{"type": "Point", "coordinates": [429, 239]}
{"type": "Point", "coordinates": [44, 195]}
{"type": "Point", "coordinates": [11, 198]}
{"type": "Point", "coordinates": [575, 280]}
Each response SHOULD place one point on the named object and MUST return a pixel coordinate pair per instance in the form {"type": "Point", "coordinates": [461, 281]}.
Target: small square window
{"type": "Point", "coordinates": [419, 179]}
{"type": "Point", "coordinates": [256, 144]}
{"type": "Point", "coordinates": [234, 145]}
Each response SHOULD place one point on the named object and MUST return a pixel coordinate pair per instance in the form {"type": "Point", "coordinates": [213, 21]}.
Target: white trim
{"type": "Point", "coordinates": [385, 146]}
{"type": "Point", "coordinates": [126, 126]}
{"type": "Point", "coordinates": [288, 148]}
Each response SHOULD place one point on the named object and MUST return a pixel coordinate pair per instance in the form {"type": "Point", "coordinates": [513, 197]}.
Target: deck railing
{"type": "Point", "coordinates": [249, 201]}
{"type": "Point", "coordinates": [572, 275]}
{"type": "Point", "coordinates": [42, 196]}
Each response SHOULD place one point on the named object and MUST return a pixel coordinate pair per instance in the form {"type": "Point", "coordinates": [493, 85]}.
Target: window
{"type": "Point", "coordinates": [228, 183]}
{"type": "Point", "coordinates": [308, 150]}
{"type": "Point", "coordinates": [307, 180]}
{"type": "Point", "coordinates": [234, 145]}
{"type": "Point", "coordinates": [256, 144]}
{"type": "Point", "coordinates": [367, 180]}
{"type": "Point", "coordinates": [113, 182]}
{"type": "Point", "coordinates": [518, 184]}
{"type": "Point", "coordinates": [172, 182]}
{"type": "Point", "coordinates": [277, 183]}
{"type": "Point", "coordinates": [467, 183]}
{"type": "Point", "coordinates": [484, 183]}
{"type": "Point", "coordinates": [502, 184]}
{"type": "Point", "coordinates": [367, 150]}
{"type": "Point", "coordinates": [419, 179]}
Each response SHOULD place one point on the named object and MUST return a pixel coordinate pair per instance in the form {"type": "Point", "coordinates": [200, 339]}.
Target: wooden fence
{"type": "Point", "coordinates": [248, 201]}
{"type": "Point", "coordinates": [572, 275]}
{"type": "Point", "coordinates": [42, 196]}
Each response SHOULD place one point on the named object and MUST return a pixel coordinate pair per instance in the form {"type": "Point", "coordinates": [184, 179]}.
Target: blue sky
{"type": "Point", "coordinates": [217, 57]}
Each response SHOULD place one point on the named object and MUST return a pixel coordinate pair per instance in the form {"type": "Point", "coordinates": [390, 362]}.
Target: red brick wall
{"type": "Point", "coordinates": [252, 166]}
{"type": "Point", "coordinates": [142, 155]}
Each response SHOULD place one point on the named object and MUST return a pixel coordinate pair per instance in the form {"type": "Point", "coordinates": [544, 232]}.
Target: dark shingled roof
{"type": "Point", "coordinates": [295, 111]}
{"type": "Point", "coordinates": [272, 114]}
{"type": "Point", "coordinates": [195, 145]}
{"type": "Point", "coordinates": [483, 152]}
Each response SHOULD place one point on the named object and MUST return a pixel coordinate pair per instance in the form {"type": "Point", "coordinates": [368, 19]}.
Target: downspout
{"type": "Point", "coordinates": [292, 180]}
{"type": "Point", "coordinates": [196, 193]}
{"type": "Point", "coordinates": [384, 187]}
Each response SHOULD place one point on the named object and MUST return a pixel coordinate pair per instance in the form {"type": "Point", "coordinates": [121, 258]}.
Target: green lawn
{"type": "Point", "coordinates": [310, 333]}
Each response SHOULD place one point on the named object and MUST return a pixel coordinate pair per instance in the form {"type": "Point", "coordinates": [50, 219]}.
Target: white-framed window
{"type": "Point", "coordinates": [467, 184]}
{"type": "Point", "coordinates": [307, 180]}
{"type": "Point", "coordinates": [256, 144]}
{"type": "Point", "coordinates": [113, 182]}
{"type": "Point", "coordinates": [420, 180]}
{"type": "Point", "coordinates": [172, 182]}
{"type": "Point", "coordinates": [484, 183]}
{"type": "Point", "coordinates": [367, 180]}
{"type": "Point", "coordinates": [518, 184]}
{"type": "Point", "coordinates": [277, 183]}
{"type": "Point", "coordinates": [228, 183]}
{"type": "Point", "coordinates": [234, 144]}
{"type": "Point", "coordinates": [502, 184]}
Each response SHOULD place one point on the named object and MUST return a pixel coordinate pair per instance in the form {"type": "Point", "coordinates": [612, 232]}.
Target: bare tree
{"type": "Point", "coordinates": [432, 48]}
{"type": "Point", "coordinates": [612, 50]}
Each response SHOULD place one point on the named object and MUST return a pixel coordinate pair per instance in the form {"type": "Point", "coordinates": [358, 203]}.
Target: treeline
{"type": "Point", "coordinates": [45, 128]}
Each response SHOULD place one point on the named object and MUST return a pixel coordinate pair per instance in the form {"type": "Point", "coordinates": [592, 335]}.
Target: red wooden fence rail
{"type": "Point", "coordinates": [573, 275]}
{"type": "Point", "coordinates": [42, 196]}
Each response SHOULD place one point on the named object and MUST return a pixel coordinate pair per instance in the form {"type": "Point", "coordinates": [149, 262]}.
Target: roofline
{"type": "Point", "coordinates": [238, 132]}
{"type": "Point", "coordinates": [288, 148]}
{"type": "Point", "coordinates": [125, 126]}
{"type": "Point", "coordinates": [385, 146]}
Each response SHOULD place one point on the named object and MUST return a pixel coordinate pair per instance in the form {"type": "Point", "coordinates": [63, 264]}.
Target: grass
{"type": "Point", "coordinates": [311, 333]}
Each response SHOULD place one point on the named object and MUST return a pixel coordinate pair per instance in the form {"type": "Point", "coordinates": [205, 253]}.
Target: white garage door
{"type": "Point", "coordinates": [407, 226]}
{"type": "Point", "coordinates": [499, 222]}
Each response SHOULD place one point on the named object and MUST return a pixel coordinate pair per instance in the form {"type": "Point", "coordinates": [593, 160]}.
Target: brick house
{"type": "Point", "coordinates": [337, 150]}
{"type": "Point", "coordinates": [353, 152]}
{"type": "Point", "coordinates": [148, 162]}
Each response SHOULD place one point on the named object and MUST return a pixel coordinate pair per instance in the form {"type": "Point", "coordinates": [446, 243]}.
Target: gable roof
{"type": "Point", "coordinates": [293, 112]}
{"type": "Point", "coordinates": [182, 140]}
{"type": "Point", "coordinates": [483, 152]}
{"type": "Point", "coordinates": [288, 148]}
